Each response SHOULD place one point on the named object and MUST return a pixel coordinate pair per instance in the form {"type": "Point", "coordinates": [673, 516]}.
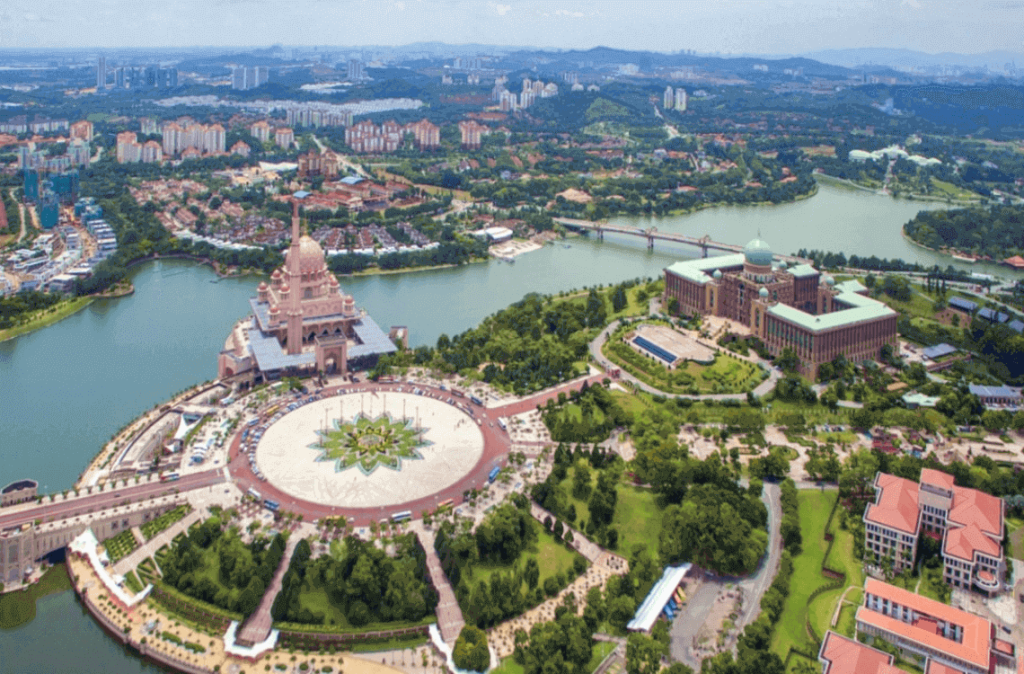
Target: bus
{"type": "Point", "coordinates": [493, 475]}
{"type": "Point", "coordinates": [457, 393]}
{"type": "Point", "coordinates": [169, 477]}
{"type": "Point", "coordinates": [271, 505]}
{"type": "Point", "coordinates": [504, 426]}
{"type": "Point", "coordinates": [255, 494]}
{"type": "Point", "coordinates": [447, 503]}
{"type": "Point", "coordinates": [402, 516]}
{"type": "Point", "coordinates": [476, 401]}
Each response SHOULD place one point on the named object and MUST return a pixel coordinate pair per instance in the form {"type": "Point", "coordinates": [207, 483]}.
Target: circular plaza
{"type": "Point", "coordinates": [369, 449]}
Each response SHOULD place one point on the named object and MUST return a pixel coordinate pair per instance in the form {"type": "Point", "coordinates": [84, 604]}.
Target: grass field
{"type": "Point", "coordinates": [1015, 528]}
{"type": "Point", "coordinates": [19, 608]}
{"type": "Point", "coordinates": [942, 188]}
{"type": "Point", "coordinates": [637, 516]}
{"type": "Point", "coordinates": [789, 632]}
{"type": "Point", "coordinates": [841, 558]}
{"type": "Point", "coordinates": [552, 557]}
{"type": "Point", "coordinates": [726, 375]}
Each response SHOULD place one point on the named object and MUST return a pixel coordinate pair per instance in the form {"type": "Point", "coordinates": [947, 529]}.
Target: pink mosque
{"type": "Point", "coordinates": [302, 322]}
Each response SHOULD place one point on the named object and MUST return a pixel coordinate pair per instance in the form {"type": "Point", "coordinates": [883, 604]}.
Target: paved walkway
{"type": "Point", "coordinates": [149, 548]}
{"type": "Point", "coordinates": [257, 627]}
{"type": "Point", "coordinates": [762, 389]}
{"type": "Point", "coordinates": [449, 615]}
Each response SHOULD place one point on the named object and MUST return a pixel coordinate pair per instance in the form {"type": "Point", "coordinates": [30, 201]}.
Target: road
{"type": "Point", "coordinates": [109, 498]}
{"type": "Point", "coordinates": [699, 604]}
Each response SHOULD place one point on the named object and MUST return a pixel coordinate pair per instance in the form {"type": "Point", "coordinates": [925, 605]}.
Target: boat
{"type": "Point", "coordinates": [963, 258]}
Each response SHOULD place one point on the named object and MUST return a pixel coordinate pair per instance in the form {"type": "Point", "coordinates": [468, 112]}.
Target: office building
{"type": "Point", "coordinates": [785, 307]}
{"type": "Point", "coordinates": [970, 524]}
{"type": "Point", "coordinates": [947, 639]}
{"type": "Point", "coordinates": [101, 73]}
{"type": "Point", "coordinates": [249, 77]}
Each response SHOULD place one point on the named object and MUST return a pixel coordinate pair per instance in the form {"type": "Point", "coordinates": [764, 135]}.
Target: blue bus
{"type": "Point", "coordinates": [493, 474]}
{"type": "Point", "coordinates": [271, 505]}
{"type": "Point", "coordinates": [170, 477]}
{"type": "Point", "coordinates": [476, 401]}
{"type": "Point", "coordinates": [402, 516]}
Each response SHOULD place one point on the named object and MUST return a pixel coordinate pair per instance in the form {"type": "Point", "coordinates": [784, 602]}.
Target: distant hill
{"type": "Point", "coordinates": [907, 58]}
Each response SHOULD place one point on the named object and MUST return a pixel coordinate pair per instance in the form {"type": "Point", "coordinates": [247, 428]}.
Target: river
{"type": "Point", "coordinates": [68, 388]}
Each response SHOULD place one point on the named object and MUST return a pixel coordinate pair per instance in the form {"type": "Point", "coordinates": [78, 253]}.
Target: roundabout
{"type": "Point", "coordinates": [367, 451]}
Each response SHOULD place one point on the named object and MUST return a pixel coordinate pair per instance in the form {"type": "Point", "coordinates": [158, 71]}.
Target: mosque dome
{"type": "Point", "coordinates": [717, 275]}
{"type": "Point", "coordinates": [763, 293]}
{"type": "Point", "coordinates": [757, 252]}
{"type": "Point", "coordinates": [311, 255]}
{"type": "Point", "coordinates": [274, 309]}
{"type": "Point", "coordinates": [262, 286]}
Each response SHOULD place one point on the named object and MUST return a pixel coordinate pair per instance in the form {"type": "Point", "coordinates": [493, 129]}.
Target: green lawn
{"type": "Point", "coordinates": [815, 506]}
{"type": "Point", "coordinates": [1015, 528]}
{"type": "Point", "coordinates": [19, 608]}
{"type": "Point", "coordinates": [317, 601]}
{"type": "Point", "coordinates": [552, 557]}
{"type": "Point", "coordinates": [637, 516]}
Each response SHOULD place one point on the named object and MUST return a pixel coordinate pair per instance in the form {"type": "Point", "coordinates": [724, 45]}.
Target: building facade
{"type": "Point", "coordinates": [302, 322]}
{"type": "Point", "coordinates": [969, 523]}
{"type": "Point", "coordinates": [947, 639]}
{"type": "Point", "coordinates": [785, 307]}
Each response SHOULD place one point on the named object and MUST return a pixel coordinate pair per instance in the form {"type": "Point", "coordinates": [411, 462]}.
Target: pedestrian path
{"type": "Point", "coordinates": [257, 627]}
{"type": "Point", "coordinates": [449, 615]}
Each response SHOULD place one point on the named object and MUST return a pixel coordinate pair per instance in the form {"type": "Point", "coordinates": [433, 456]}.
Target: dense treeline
{"type": "Point", "coordinates": [501, 539]}
{"type": "Point", "coordinates": [364, 584]}
{"type": "Point", "coordinates": [243, 571]}
{"type": "Point", "coordinates": [997, 231]}
{"type": "Point", "coordinates": [15, 306]}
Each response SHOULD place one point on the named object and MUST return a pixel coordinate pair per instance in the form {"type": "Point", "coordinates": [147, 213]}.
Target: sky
{"type": "Point", "coordinates": [707, 26]}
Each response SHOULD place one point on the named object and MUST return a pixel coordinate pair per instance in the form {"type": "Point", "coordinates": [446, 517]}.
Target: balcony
{"type": "Point", "coordinates": [986, 581]}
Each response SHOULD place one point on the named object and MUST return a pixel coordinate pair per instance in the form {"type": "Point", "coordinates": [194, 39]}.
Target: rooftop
{"type": "Point", "coordinates": [993, 391]}
{"type": "Point", "coordinates": [971, 506]}
{"type": "Point", "coordinates": [974, 646]}
{"type": "Point", "coordinates": [897, 504]}
{"type": "Point", "coordinates": [937, 478]}
{"type": "Point", "coordinates": [843, 655]}
{"type": "Point", "coordinates": [19, 485]}
{"type": "Point", "coordinates": [963, 542]}
{"type": "Point", "coordinates": [938, 351]}
{"type": "Point", "coordinates": [860, 308]}
{"type": "Point", "coordinates": [697, 270]}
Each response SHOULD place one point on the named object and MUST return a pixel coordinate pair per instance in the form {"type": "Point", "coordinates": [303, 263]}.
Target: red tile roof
{"type": "Point", "coordinates": [962, 542]}
{"type": "Point", "coordinates": [971, 506]}
{"type": "Point", "coordinates": [973, 648]}
{"type": "Point", "coordinates": [1003, 646]}
{"type": "Point", "coordinates": [939, 668]}
{"type": "Point", "coordinates": [847, 656]}
{"type": "Point", "coordinates": [937, 478]}
{"type": "Point", "coordinates": [897, 504]}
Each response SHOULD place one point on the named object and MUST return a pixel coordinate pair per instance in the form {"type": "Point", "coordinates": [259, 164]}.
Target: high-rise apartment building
{"type": "Point", "coordinates": [668, 99]}
{"type": "Point", "coordinates": [249, 77]}
{"type": "Point", "coordinates": [82, 129]}
{"type": "Point", "coordinates": [355, 71]}
{"type": "Point", "coordinates": [101, 73]}
{"type": "Point", "coordinates": [681, 99]}
{"type": "Point", "coordinates": [260, 131]}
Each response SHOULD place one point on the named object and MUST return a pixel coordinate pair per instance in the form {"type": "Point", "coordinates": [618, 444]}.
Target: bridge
{"type": "Point", "coordinates": [32, 530]}
{"type": "Point", "coordinates": [601, 227]}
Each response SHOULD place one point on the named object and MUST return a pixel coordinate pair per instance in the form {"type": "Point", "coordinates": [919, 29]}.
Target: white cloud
{"type": "Point", "coordinates": [565, 12]}
{"type": "Point", "coordinates": [502, 10]}
{"type": "Point", "coordinates": [916, 4]}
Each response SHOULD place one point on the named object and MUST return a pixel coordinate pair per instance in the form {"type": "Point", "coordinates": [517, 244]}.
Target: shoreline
{"type": "Point", "coordinates": [63, 310]}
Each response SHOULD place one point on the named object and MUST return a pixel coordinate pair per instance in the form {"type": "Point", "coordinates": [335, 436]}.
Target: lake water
{"type": "Point", "coordinates": [66, 389]}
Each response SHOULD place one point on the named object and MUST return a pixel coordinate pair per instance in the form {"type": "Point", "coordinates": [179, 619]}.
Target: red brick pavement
{"type": "Point", "coordinates": [257, 627]}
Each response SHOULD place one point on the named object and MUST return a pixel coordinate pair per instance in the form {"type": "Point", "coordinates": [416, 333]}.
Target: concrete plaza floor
{"type": "Point", "coordinates": [289, 463]}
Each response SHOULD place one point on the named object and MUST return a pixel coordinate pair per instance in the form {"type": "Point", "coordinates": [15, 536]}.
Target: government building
{"type": "Point", "coordinates": [794, 307]}
{"type": "Point", "coordinates": [301, 322]}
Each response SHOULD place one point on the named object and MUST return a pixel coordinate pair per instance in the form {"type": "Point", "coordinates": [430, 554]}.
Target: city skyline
{"type": "Point", "coordinates": [733, 27]}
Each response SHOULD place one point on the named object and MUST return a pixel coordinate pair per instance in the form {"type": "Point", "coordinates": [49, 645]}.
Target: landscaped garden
{"type": "Point", "coordinates": [369, 443]}
{"type": "Point", "coordinates": [507, 565]}
{"type": "Point", "coordinates": [153, 527]}
{"type": "Point", "coordinates": [726, 374]}
{"type": "Point", "coordinates": [120, 546]}
{"type": "Point", "coordinates": [216, 567]}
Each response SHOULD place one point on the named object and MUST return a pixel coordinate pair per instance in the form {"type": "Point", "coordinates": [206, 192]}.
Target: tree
{"type": "Point", "coordinates": [471, 650]}
{"type": "Point", "coordinates": [619, 300]}
{"type": "Point", "coordinates": [643, 654]}
{"type": "Point", "coordinates": [532, 572]}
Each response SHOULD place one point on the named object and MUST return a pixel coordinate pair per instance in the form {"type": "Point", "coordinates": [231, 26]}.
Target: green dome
{"type": "Point", "coordinates": [763, 292]}
{"type": "Point", "coordinates": [757, 252]}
